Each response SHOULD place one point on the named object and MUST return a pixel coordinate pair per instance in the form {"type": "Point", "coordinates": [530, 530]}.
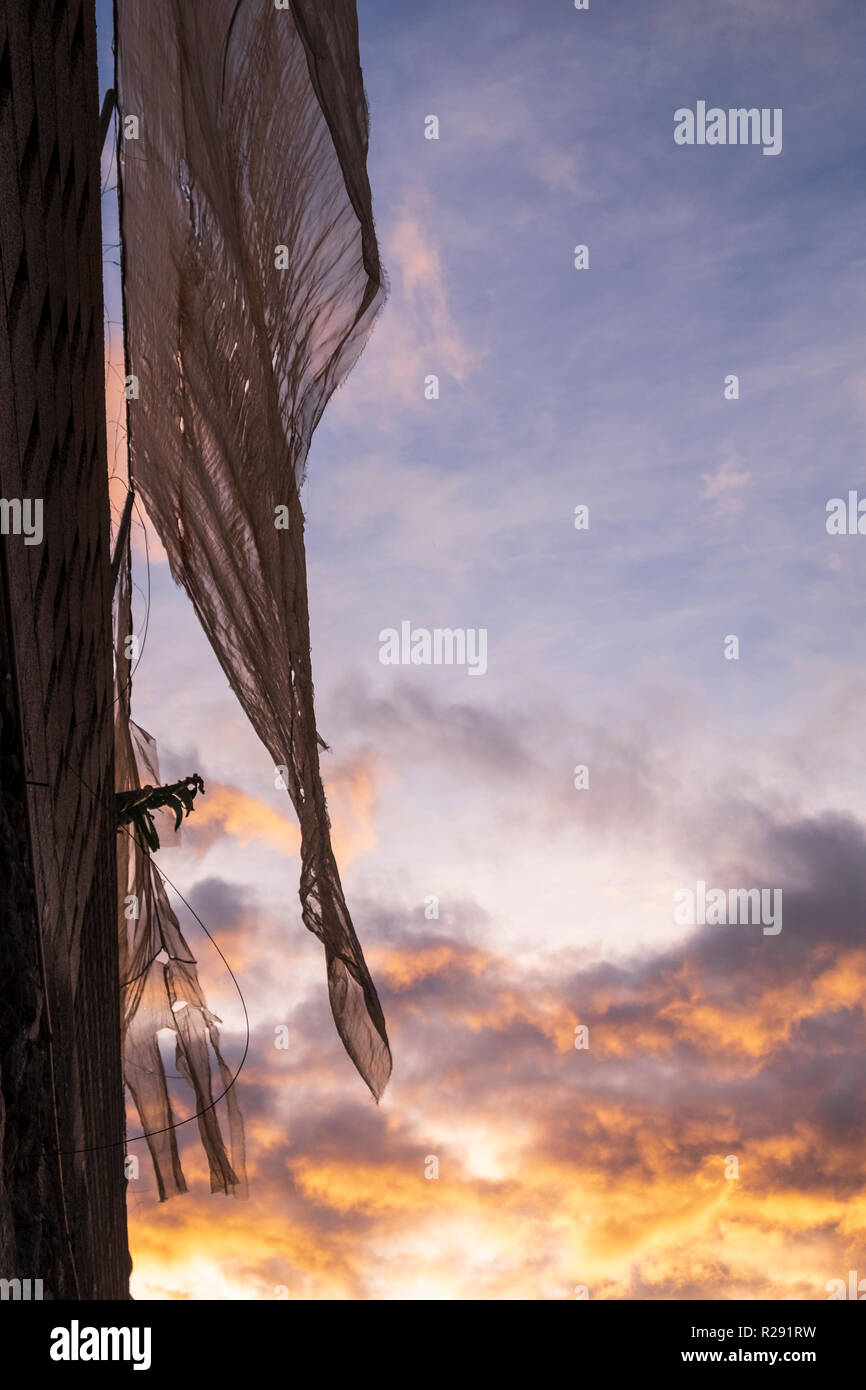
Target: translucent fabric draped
{"type": "Point", "coordinates": [159, 982]}
{"type": "Point", "coordinates": [251, 282]}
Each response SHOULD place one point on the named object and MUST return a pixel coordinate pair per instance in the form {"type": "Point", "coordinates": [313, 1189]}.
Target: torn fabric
{"type": "Point", "coordinates": [159, 982]}
{"type": "Point", "coordinates": [251, 282]}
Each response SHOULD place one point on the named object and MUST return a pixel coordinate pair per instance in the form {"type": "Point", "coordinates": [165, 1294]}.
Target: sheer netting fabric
{"type": "Point", "coordinates": [251, 282]}
{"type": "Point", "coordinates": [160, 989]}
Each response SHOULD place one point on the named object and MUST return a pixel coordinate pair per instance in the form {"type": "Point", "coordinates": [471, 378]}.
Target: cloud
{"type": "Point", "coordinates": [418, 333]}
{"type": "Point", "coordinates": [559, 170]}
{"type": "Point", "coordinates": [226, 810]}
{"type": "Point", "coordinates": [351, 784]}
{"type": "Point", "coordinates": [725, 485]}
{"type": "Point", "coordinates": [560, 1166]}
{"type": "Point", "coordinates": [415, 722]}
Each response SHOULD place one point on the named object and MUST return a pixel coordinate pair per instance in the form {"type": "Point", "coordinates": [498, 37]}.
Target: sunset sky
{"type": "Point", "coordinates": [559, 1168]}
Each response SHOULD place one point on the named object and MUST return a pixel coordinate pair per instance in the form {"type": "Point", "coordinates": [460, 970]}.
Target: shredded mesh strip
{"type": "Point", "coordinates": [159, 983]}
{"type": "Point", "coordinates": [252, 137]}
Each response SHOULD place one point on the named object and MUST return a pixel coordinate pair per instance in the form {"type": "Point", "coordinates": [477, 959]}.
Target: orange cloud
{"type": "Point", "coordinates": [351, 788]}
{"type": "Point", "coordinates": [403, 967]}
{"type": "Point", "coordinates": [599, 1182]}
{"type": "Point", "coordinates": [418, 334]}
{"type": "Point", "coordinates": [226, 810]}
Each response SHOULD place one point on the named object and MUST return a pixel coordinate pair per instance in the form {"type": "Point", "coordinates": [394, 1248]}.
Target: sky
{"type": "Point", "coordinates": [501, 907]}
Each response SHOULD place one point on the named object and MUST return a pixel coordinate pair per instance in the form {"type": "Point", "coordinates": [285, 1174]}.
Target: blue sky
{"type": "Point", "coordinates": [707, 518]}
